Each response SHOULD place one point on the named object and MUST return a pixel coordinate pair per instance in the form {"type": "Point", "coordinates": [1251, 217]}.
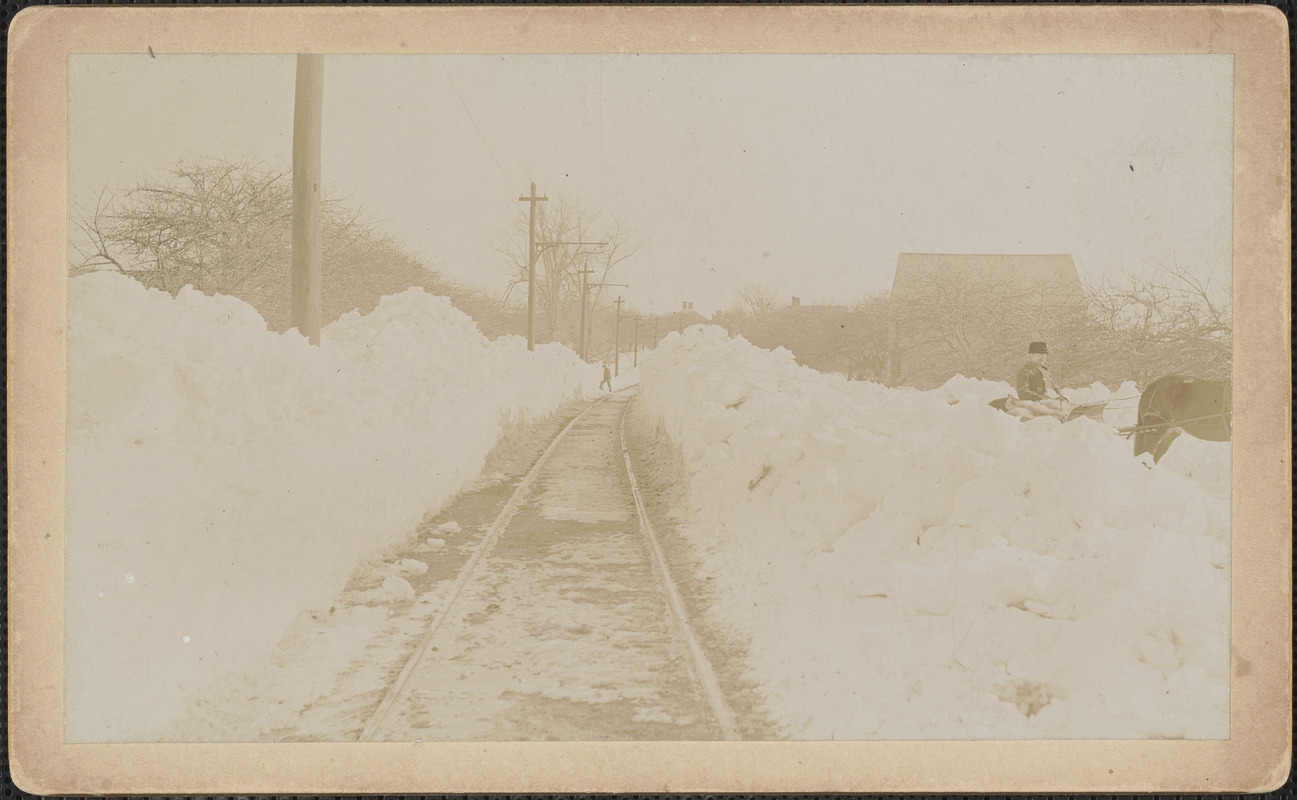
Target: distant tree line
{"type": "Point", "coordinates": [223, 227]}
{"type": "Point", "coordinates": [1138, 329]}
{"type": "Point", "coordinates": [849, 339]}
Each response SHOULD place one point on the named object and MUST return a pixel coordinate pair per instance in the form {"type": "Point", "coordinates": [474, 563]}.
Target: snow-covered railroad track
{"type": "Point", "coordinates": [701, 667]}
{"type": "Point", "coordinates": [488, 541]}
{"type": "Point", "coordinates": [564, 624]}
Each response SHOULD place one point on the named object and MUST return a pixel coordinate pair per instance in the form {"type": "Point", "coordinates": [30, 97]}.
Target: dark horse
{"type": "Point", "coordinates": [1181, 404]}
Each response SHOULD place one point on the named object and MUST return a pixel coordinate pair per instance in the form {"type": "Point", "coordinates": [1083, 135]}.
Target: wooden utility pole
{"type": "Point", "coordinates": [586, 287]}
{"type": "Point", "coordinates": [307, 112]}
{"type": "Point", "coordinates": [537, 249]}
{"type": "Point", "coordinates": [532, 200]}
{"type": "Point", "coordinates": [616, 348]}
{"type": "Point", "coordinates": [636, 362]}
{"type": "Point", "coordinates": [580, 337]}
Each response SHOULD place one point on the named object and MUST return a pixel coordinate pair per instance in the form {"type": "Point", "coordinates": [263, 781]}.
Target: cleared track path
{"type": "Point", "coordinates": [564, 625]}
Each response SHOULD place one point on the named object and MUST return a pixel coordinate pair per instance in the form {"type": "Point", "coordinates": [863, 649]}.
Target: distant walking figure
{"type": "Point", "coordinates": [607, 378]}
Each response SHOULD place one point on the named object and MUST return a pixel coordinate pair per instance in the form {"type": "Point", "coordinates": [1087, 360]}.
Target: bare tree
{"type": "Point", "coordinates": [1170, 321]}
{"type": "Point", "coordinates": [559, 266]}
{"type": "Point", "coordinates": [89, 239]}
{"type": "Point", "coordinates": [978, 323]}
{"type": "Point", "coordinates": [754, 300]}
{"type": "Point", "coordinates": [211, 224]}
{"type": "Point", "coordinates": [862, 340]}
{"type": "Point", "coordinates": [224, 227]}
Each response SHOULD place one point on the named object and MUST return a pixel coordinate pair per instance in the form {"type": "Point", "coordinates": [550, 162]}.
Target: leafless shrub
{"type": "Point", "coordinates": [225, 227]}
{"type": "Point", "coordinates": [1171, 321]}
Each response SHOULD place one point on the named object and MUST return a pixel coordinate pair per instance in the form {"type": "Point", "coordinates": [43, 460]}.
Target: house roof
{"type": "Point", "coordinates": [1051, 279]}
{"type": "Point", "coordinates": [687, 317]}
{"type": "Point", "coordinates": [809, 309]}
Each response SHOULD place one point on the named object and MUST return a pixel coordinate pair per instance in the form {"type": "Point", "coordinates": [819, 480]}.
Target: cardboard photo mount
{"type": "Point", "coordinates": [1257, 755]}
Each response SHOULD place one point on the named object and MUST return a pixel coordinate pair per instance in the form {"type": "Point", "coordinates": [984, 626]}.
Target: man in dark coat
{"type": "Point", "coordinates": [1036, 393]}
{"type": "Point", "coordinates": [607, 378]}
{"type": "Point", "coordinates": [1034, 381]}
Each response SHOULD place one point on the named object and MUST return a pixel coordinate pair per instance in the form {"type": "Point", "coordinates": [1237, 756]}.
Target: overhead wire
{"type": "Point", "coordinates": [503, 174]}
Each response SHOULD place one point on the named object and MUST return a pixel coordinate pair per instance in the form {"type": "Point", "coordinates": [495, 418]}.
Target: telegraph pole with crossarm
{"type": "Point", "coordinates": [616, 348]}
{"type": "Point", "coordinates": [531, 200]}
{"type": "Point", "coordinates": [603, 284]}
{"type": "Point", "coordinates": [540, 248]}
{"type": "Point", "coordinates": [585, 289]}
{"type": "Point", "coordinates": [636, 362]}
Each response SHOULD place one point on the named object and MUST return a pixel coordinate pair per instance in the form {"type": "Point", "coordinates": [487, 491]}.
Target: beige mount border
{"type": "Point", "coordinates": [1257, 756]}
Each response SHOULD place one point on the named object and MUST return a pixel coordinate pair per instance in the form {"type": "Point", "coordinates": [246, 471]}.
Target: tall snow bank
{"type": "Point", "coordinates": [223, 478]}
{"type": "Point", "coordinates": [911, 564]}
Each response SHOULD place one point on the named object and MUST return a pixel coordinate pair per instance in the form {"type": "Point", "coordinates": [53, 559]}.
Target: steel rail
{"type": "Point", "coordinates": [700, 668]}
{"type": "Point", "coordinates": [379, 717]}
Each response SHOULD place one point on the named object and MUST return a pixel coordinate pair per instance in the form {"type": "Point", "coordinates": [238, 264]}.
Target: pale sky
{"type": "Point", "coordinates": [805, 173]}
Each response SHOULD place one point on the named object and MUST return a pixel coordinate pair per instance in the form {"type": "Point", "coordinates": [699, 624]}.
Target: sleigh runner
{"type": "Point", "coordinates": [1170, 406]}
{"type": "Point", "coordinates": [1059, 409]}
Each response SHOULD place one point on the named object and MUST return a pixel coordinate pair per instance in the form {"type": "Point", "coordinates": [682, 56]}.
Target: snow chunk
{"type": "Point", "coordinates": [397, 588]}
{"type": "Point", "coordinates": [408, 566]}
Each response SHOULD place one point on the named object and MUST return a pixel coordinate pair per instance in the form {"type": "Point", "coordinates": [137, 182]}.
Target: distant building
{"type": "Point", "coordinates": [659, 325]}
{"type": "Point", "coordinates": [975, 315]}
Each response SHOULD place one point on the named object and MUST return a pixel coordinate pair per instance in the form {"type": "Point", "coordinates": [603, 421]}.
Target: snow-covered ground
{"type": "Point", "coordinates": [908, 564]}
{"type": "Point", "coordinates": [222, 479]}
{"type": "Point", "coordinates": [900, 564]}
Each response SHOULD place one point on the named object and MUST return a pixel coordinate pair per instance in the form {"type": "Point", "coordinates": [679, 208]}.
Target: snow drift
{"type": "Point", "coordinates": [223, 478]}
{"type": "Point", "coordinates": [909, 564]}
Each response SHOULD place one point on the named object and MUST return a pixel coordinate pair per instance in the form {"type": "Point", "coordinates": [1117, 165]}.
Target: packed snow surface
{"type": "Point", "coordinates": [223, 478]}
{"type": "Point", "coordinates": [908, 564]}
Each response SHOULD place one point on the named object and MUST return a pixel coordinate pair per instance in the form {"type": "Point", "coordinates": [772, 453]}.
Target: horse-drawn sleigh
{"type": "Point", "coordinates": [1169, 406]}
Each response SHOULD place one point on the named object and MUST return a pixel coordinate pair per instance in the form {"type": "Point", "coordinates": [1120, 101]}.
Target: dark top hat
{"type": "Point", "coordinates": [1037, 347]}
